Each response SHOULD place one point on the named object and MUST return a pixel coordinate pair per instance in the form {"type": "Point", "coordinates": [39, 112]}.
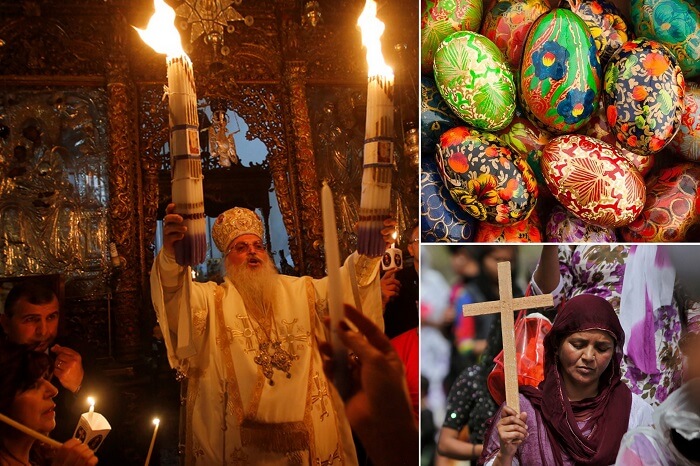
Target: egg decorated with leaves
{"type": "Point", "coordinates": [593, 180]}
{"type": "Point", "coordinates": [475, 81]}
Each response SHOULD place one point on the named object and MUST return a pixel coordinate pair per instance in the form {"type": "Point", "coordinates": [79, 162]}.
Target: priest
{"type": "Point", "coordinates": [257, 393]}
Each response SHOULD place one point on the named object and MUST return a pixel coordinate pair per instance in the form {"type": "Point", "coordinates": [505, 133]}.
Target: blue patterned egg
{"type": "Point", "coordinates": [485, 177]}
{"type": "Point", "coordinates": [560, 73]}
{"type": "Point", "coordinates": [436, 117]}
{"type": "Point", "coordinates": [606, 24]}
{"type": "Point", "coordinates": [643, 96]}
{"type": "Point", "coordinates": [674, 23]}
{"type": "Point", "coordinates": [475, 81]}
{"type": "Point", "coordinates": [441, 218]}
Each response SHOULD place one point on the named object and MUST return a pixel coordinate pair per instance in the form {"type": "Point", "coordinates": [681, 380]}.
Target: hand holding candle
{"type": "Point", "coordinates": [92, 427]}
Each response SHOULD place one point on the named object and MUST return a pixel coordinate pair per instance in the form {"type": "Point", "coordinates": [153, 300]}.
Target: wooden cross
{"type": "Point", "coordinates": [505, 306]}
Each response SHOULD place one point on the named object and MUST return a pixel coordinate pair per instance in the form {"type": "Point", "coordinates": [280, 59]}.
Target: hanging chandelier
{"type": "Point", "coordinates": [211, 18]}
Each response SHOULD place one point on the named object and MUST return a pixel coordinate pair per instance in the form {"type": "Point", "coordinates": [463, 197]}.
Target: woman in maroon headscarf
{"type": "Point", "coordinates": [581, 410]}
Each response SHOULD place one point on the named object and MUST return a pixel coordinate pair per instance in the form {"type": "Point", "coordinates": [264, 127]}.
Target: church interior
{"type": "Point", "coordinates": [85, 162]}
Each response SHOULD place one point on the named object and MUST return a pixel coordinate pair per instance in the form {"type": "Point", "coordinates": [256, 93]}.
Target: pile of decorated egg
{"type": "Point", "coordinates": [485, 177]}
{"type": "Point", "coordinates": [636, 105]}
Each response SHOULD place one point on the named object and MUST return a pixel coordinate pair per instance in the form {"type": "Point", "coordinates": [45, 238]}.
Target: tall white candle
{"type": "Point", "coordinates": [330, 245]}
{"type": "Point", "coordinates": [186, 164]}
{"type": "Point", "coordinates": [156, 422]}
{"type": "Point", "coordinates": [378, 162]}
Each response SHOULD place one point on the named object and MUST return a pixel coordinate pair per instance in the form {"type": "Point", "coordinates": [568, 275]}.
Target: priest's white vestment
{"type": "Point", "coordinates": [234, 415]}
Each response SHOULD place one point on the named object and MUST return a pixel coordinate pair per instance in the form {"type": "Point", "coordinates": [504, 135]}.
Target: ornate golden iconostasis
{"type": "Point", "coordinates": [84, 132]}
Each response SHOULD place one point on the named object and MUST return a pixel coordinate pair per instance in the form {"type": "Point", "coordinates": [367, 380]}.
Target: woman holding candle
{"type": "Point", "coordinates": [26, 396]}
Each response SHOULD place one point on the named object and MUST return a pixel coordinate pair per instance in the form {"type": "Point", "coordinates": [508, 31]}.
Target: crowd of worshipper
{"type": "Point", "coordinates": [619, 373]}
{"type": "Point", "coordinates": [247, 346]}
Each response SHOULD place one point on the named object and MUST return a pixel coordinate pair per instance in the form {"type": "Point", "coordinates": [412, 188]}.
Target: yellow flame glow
{"type": "Point", "coordinates": [91, 401]}
{"type": "Point", "coordinates": [156, 421]}
{"type": "Point", "coordinates": [161, 34]}
{"type": "Point", "coordinates": [372, 30]}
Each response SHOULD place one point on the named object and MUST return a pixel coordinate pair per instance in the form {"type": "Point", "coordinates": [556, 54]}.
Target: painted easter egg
{"type": "Point", "coordinates": [606, 24]}
{"type": "Point", "coordinates": [560, 74]}
{"type": "Point", "coordinates": [592, 180]}
{"type": "Point", "coordinates": [435, 115]}
{"type": "Point", "coordinates": [441, 218]}
{"type": "Point", "coordinates": [598, 128]}
{"type": "Point", "coordinates": [565, 227]}
{"type": "Point", "coordinates": [441, 18]}
{"type": "Point", "coordinates": [506, 24]}
{"type": "Point", "coordinates": [672, 209]}
{"type": "Point", "coordinates": [485, 177]}
{"type": "Point", "coordinates": [475, 81]}
{"type": "Point", "coordinates": [643, 96]}
{"type": "Point", "coordinates": [524, 231]}
{"type": "Point", "coordinates": [674, 23]}
{"type": "Point", "coordinates": [686, 143]}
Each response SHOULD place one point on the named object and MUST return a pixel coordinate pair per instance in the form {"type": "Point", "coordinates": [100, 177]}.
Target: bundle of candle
{"type": "Point", "coordinates": [378, 161]}
{"type": "Point", "coordinates": [185, 161]}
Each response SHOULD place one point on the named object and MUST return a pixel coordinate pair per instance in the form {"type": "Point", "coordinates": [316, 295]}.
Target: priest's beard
{"type": "Point", "coordinates": [256, 286]}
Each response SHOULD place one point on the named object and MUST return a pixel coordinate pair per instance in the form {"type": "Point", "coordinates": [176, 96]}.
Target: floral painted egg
{"type": "Point", "coordinates": [506, 25]}
{"type": "Point", "coordinates": [485, 177]}
{"type": "Point", "coordinates": [686, 143]}
{"type": "Point", "coordinates": [674, 23]}
{"type": "Point", "coordinates": [441, 18]}
{"type": "Point", "coordinates": [672, 209]}
{"type": "Point", "coordinates": [475, 81]}
{"type": "Point", "coordinates": [565, 227]}
{"type": "Point", "coordinates": [524, 231]}
{"type": "Point", "coordinates": [560, 74]}
{"type": "Point", "coordinates": [598, 128]}
{"type": "Point", "coordinates": [643, 96]}
{"type": "Point", "coordinates": [592, 180]}
{"type": "Point", "coordinates": [606, 24]}
{"type": "Point", "coordinates": [435, 115]}
{"type": "Point", "coordinates": [442, 219]}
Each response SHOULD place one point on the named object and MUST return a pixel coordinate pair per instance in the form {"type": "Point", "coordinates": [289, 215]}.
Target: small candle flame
{"type": "Point", "coordinates": [91, 401]}
{"type": "Point", "coordinates": [156, 421]}
{"type": "Point", "coordinates": [372, 30]}
{"type": "Point", "coordinates": [161, 33]}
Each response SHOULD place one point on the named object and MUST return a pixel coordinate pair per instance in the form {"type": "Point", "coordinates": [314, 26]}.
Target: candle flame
{"type": "Point", "coordinates": [372, 30]}
{"type": "Point", "coordinates": [91, 401]}
{"type": "Point", "coordinates": [161, 34]}
{"type": "Point", "coordinates": [156, 421]}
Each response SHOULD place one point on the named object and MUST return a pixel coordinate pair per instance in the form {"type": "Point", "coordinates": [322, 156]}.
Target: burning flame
{"type": "Point", "coordinates": [161, 33]}
{"type": "Point", "coordinates": [372, 30]}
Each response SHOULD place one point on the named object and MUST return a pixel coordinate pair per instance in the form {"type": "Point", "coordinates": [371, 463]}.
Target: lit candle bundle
{"type": "Point", "coordinates": [92, 427]}
{"type": "Point", "coordinates": [378, 161]}
{"type": "Point", "coordinates": [185, 161]}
